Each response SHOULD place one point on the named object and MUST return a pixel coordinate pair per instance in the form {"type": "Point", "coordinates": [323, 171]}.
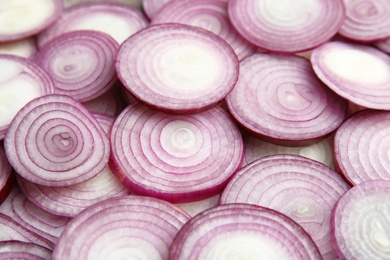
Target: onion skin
{"type": "Point", "coordinates": [13, 249]}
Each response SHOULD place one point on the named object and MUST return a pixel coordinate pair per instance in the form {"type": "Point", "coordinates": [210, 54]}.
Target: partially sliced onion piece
{"type": "Point", "coordinates": [242, 231]}
{"type": "Point", "coordinates": [80, 63]}
{"type": "Point", "coordinates": [287, 26]}
{"type": "Point", "coordinates": [356, 72]}
{"type": "Point", "coordinates": [24, 18]}
{"type": "Point", "coordinates": [179, 158]}
{"type": "Point", "coordinates": [177, 67]}
{"type": "Point", "coordinates": [301, 188]}
{"type": "Point", "coordinates": [25, 47]}
{"type": "Point", "coordinates": [360, 222]}
{"type": "Point", "coordinates": [19, 75]}
{"type": "Point", "coordinates": [366, 20]}
{"type": "Point", "coordinates": [117, 20]}
{"type": "Point", "coordinates": [131, 227]}
{"type": "Point", "coordinates": [279, 97]}
{"type": "Point", "coordinates": [13, 249]}
{"type": "Point", "coordinates": [6, 175]}
{"type": "Point", "coordinates": [55, 141]}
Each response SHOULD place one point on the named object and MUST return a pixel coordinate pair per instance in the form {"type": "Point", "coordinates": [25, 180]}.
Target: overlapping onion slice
{"type": "Point", "coordinates": [279, 97]}
{"type": "Point", "coordinates": [117, 20]}
{"type": "Point", "coordinates": [287, 26]}
{"type": "Point", "coordinates": [356, 72]}
{"type": "Point", "coordinates": [206, 14]}
{"type": "Point", "coordinates": [301, 188]}
{"type": "Point", "coordinates": [242, 231]}
{"type": "Point", "coordinates": [179, 158]}
{"type": "Point", "coordinates": [366, 20]}
{"type": "Point", "coordinates": [55, 141]}
{"type": "Point", "coordinates": [6, 175]}
{"type": "Point", "coordinates": [14, 249]}
{"type": "Point", "coordinates": [177, 67]}
{"type": "Point", "coordinates": [80, 63]}
{"type": "Point", "coordinates": [360, 222]}
{"type": "Point", "coordinates": [131, 227]}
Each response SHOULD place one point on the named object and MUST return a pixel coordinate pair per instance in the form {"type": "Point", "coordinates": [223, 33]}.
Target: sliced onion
{"type": "Point", "coordinates": [177, 67]}
{"type": "Point", "coordinates": [287, 26]}
{"type": "Point", "coordinates": [366, 20]}
{"type": "Point", "coordinates": [19, 75]}
{"type": "Point", "coordinates": [81, 63]}
{"type": "Point", "coordinates": [179, 158]}
{"type": "Point", "coordinates": [359, 73]}
{"type": "Point", "coordinates": [24, 18]}
{"type": "Point", "coordinates": [117, 20]}
{"type": "Point", "coordinates": [242, 231]}
{"type": "Point", "coordinates": [14, 249]}
{"type": "Point", "coordinates": [280, 98]}
{"type": "Point", "coordinates": [360, 222]}
{"type": "Point", "coordinates": [6, 175]}
{"type": "Point", "coordinates": [55, 141]}
{"type": "Point", "coordinates": [25, 48]}
{"type": "Point", "coordinates": [194, 208]}
{"type": "Point", "coordinates": [210, 15]}
{"type": "Point", "coordinates": [384, 45]}
{"type": "Point", "coordinates": [130, 227]}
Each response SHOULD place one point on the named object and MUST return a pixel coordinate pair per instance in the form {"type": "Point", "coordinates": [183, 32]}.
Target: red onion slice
{"type": "Point", "coordinates": [366, 20]}
{"type": "Point", "coordinates": [36, 15]}
{"type": "Point", "coordinates": [19, 75]}
{"type": "Point", "coordinates": [300, 188]}
{"type": "Point", "coordinates": [6, 175]}
{"type": "Point", "coordinates": [13, 249]}
{"type": "Point", "coordinates": [177, 67]}
{"type": "Point", "coordinates": [358, 73]}
{"type": "Point", "coordinates": [81, 63]}
{"type": "Point", "coordinates": [287, 26]}
{"type": "Point", "coordinates": [280, 98]}
{"type": "Point", "coordinates": [130, 227]}
{"type": "Point", "coordinates": [361, 147]}
{"type": "Point", "coordinates": [242, 231]}
{"type": "Point", "coordinates": [25, 48]}
{"type": "Point", "coordinates": [117, 20]}
{"type": "Point", "coordinates": [360, 222]}
{"type": "Point", "coordinates": [55, 141]}
{"type": "Point", "coordinates": [179, 158]}
{"type": "Point", "coordinates": [210, 15]}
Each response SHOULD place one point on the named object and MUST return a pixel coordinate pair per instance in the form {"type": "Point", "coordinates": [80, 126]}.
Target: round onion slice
{"type": "Point", "coordinates": [117, 20]}
{"type": "Point", "coordinates": [19, 75]}
{"type": "Point", "coordinates": [366, 20]}
{"type": "Point", "coordinates": [360, 222]}
{"type": "Point", "coordinates": [242, 231]}
{"type": "Point", "coordinates": [23, 18]}
{"type": "Point", "coordinates": [25, 48]}
{"type": "Point", "coordinates": [384, 45]}
{"type": "Point", "coordinates": [287, 26]}
{"type": "Point", "coordinates": [177, 67]}
{"type": "Point", "coordinates": [130, 227]}
{"type": "Point", "coordinates": [6, 175]}
{"type": "Point", "coordinates": [358, 73]}
{"type": "Point", "coordinates": [303, 189]}
{"type": "Point", "coordinates": [210, 15]}
{"type": "Point", "coordinates": [361, 147]}
{"type": "Point", "coordinates": [280, 98]}
{"type": "Point", "coordinates": [55, 141]}
{"type": "Point", "coordinates": [81, 63]}
{"type": "Point", "coordinates": [13, 249]}
{"type": "Point", "coordinates": [179, 158]}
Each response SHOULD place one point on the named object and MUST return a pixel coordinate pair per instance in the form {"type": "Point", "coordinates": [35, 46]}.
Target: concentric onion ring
{"type": "Point", "coordinates": [55, 141]}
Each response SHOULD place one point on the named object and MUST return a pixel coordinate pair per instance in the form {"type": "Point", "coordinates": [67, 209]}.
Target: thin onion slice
{"type": "Point", "coordinates": [131, 227]}
{"type": "Point", "coordinates": [80, 63]}
{"type": "Point", "coordinates": [287, 26]}
{"type": "Point", "coordinates": [242, 231]}
{"type": "Point", "coordinates": [210, 15]}
{"type": "Point", "coordinates": [366, 20]}
{"type": "Point", "coordinates": [179, 158]}
{"type": "Point", "coordinates": [300, 188]}
{"type": "Point", "coordinates": [117, 20]}
{"type": "Point", "coordinates": [24, 18]}
{"type": "Point", "coordinates": [55, 141]}
{"type": "Point", "coordinates": [25, 47]}
{"type": "Point", "coordinates": [19, 75]}
{"type": "Point", "coordinates": [13, 249]}
{"type": "Point", "coordinates": [6, 175]}
{"type": "Point", "coordinates": [360, 222]}
{"type": "Point", "coordinates": [177, 67]}
{"type": "Point", "coordinates": [359, 73]}
{"type": "Point", "coordinates": [279, 97]}
{"type": "Point", "coordinates": [361, 147]}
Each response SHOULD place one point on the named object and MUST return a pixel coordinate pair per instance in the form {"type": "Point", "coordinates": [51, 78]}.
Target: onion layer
{"type": "Point", "coordinates": [14, 249]}
{"type": "Point", "coordinates": [55, 141]}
